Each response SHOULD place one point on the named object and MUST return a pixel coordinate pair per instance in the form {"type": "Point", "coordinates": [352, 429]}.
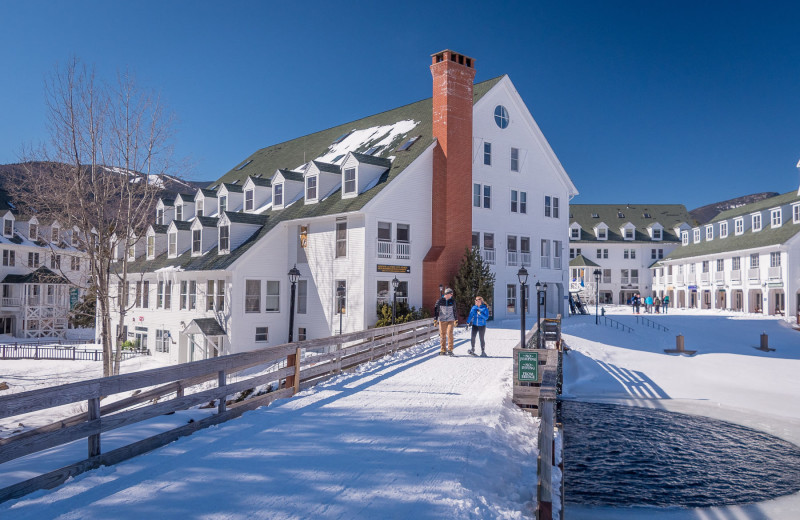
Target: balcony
{"type": "Point", "coordinates": [719, 277]}
{"type": "Point", "coordinates": [669, 279]}
{"type": "Point", "coordinates": [389, 250]}
{"type": "Point", "coordinates": [488, 256]}
{"type": "Point", "coordinates": [704, 277]}
{"type": "Point", "coordinates": [736, 277]}
{"type": "Point", "coordinates": [774, 273]}
{"type": "Point", "coordinates": [753, 274]}
{"type": "Point", "coordinates": [384, 249]}
{"type": "Point", "coordinates": [525, 258]}
{"type": "Point", "coordinates": [545, 262]}
{"type": "Point", "coordinates": [692, 278]}
{"type": "Point", "coordinates": [511, 258]}
{"type": "Point", "coordinates": [10, 302]}
{"type": "Point", "coordinates": [403, 250]}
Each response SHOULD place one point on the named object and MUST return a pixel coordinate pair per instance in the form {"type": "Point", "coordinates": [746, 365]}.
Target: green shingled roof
{"type": "Point", "coordinates": [293, 153]}
{"type": "Point", "coordinates": [772, 202]}
{"type": "Point", "coordinates": [582, 261]}
{"type": "Point", "coordinates": [747, 240]}
{"type": "Point", "coordinates": [668, 215]}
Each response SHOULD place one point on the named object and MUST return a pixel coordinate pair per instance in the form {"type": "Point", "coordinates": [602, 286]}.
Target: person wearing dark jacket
{"type": "Point", "coordinates": [477, 318]}
{"type": "Point", "coordinates": [445, 315]}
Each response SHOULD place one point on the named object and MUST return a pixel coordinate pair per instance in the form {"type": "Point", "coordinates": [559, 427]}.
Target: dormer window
{"type": "Point", "coordinates": [696, 235]}
{"type": "Point", "coordinates": [796, 213]}
{"type": "Point", "coordinates": [8, 227]}
{"type": "Point", "coordinates": [350, 180]}
{"type": "Point", "coordinates": [54, 235]}
{"type": "Point", "coordinates": [628, 233]}
{"type": "Point", "coordinates": [620, 214]}
{"type": "Point", "coordinates": [311, 187]}
{"type": "Point", "coordinates": [196, 241]}
{"type": "Point", "coordinates": [172, 248]}
{"type": "Point", "coordinates": [33, 232]}
{"type": "Point", "coordinates": [575, 233]}
{"type": "Point", "coordinates": [685, 238]}
{"type": "Point", "coordinates": [738, 226]}
{"type": "Point", "coordinates": [723, 229]}
{"type": "Point", "coordinates": [278, 195]}
{"type": "Point", "coordinates": [132, 253]}
{"type": "Point", "coordinates": [602, 233]}
{"type": "Point", "coordinates": [249, 197]}
{"type": "Point", "coordinates": [223, 204]}
{"type": "Point", "coordinates": [199, 208]}
{"type": "Point", "coordinates": [74, 238]}
{"type": "Point", "coordinates": [160, 216]}
{"type": "Point", "coordinates": [775, 217]}
{"type": "Point", "coordinates": [756, 222]}
{"type": "Point", "coordinates": [151, 247]}
{"type": "Point", "coordinates": [658, 234]}
{"type": "Point", "coordinates": [595, 215]}
{"type": "Point", "coordinates": [179, 212]}
{"type": "Point", "coordinates": [709, 233]}
{"type": "Point", "coordinates": [224, 238]}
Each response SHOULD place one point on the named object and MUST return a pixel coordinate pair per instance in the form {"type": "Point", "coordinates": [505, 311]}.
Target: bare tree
{"type": "Point", "coordinates": [99, 176]}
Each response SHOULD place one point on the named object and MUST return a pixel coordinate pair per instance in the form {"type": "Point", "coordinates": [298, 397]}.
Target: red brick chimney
{"type": "Point", "coordinates": [453, 76]}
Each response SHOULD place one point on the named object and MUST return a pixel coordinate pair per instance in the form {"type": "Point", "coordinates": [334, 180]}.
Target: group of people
{"type": "Point", "coordinates": [445, 314]}
{"type": "Point", "coordinates": [649, 303]}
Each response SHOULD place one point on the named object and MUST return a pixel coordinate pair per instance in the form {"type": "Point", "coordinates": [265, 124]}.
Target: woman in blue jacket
{"type": "Point", "coordinates": [477, 318]}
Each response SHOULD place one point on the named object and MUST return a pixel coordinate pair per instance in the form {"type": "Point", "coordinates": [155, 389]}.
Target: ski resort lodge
{"type": "Point", "coordinates": [399, 195]}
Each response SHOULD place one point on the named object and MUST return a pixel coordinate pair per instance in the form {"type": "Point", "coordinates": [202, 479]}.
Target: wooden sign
{"type": "Point", "coordinates": [399, 269]}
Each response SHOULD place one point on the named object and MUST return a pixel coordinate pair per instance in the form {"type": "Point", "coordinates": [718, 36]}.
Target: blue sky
{"type": "Point", "coordinates": [643, 102]}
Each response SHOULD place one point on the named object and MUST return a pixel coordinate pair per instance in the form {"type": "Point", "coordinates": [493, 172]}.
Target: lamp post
{"type": "Point", "coordinates": [294, 275]}
{"type": "Point", "coordinates": [597, 274]}
{"type": "Point", "coordinates": [538, 314]}
{"type": "Point", "coordinates": [340, 299]}
{"type": "Point", "coordinates": [441, 290]}
{"type": "Point", "coordinates": [544, 299]}
{"type": "Point", "coordinates": [522, 275]}
{"type": "Point", "coordinates": [395, 285]}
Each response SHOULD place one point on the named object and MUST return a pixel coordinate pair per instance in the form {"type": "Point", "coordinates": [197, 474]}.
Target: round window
{"type": "Point", "coordinates": [501, 116]}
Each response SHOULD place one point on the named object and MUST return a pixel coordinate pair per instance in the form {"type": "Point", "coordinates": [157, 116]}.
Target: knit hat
{"type": "Point", "coordinates": [448, 291]}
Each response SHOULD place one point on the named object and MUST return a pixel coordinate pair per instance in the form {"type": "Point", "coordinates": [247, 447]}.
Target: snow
{"type": "Point", "coordinates": [417, 435]}
{"type": "Point", "coordinates": [376, 136]}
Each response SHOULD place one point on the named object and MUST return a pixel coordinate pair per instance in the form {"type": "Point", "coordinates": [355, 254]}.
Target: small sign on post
{"type": "Point", "coordinates": [528, 367]}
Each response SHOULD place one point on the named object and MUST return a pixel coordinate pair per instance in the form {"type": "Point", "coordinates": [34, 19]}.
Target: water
{"type": "Point", "coordinates": [624, 456]}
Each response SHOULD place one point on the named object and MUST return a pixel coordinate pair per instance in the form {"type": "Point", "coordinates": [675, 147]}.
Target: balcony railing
{"type": "Point", "coordinates": [488, 256]}
{"type": "Point", "coordinates": [669, 279]}
{"type": "Point", "coordinates": [719, 277]}
{"type": "Point", "coordinates": [511, 258]}
{"type": "Point", "coordinates": [399, 250]}
{"type": "Point", "coordinates": [11, 302]}
{"type": "Point", "coordinates": [525, 258]}
{"type": "Point", "coordinates": [753, 274]}
{"type": "Point", "coordinates": [691, 278]}
{"type": "Point", "coordinates": [403, 250]}
{"type": "Point", "coordinates": [557, 262]}
{"type": "Point", "coordinates": [704, 277]}
{"type": "Point", "coordinates": [545, 262]}
{"type": "Point", "coordinates": [736, 277]}
{"type": "Point", "coordinates": [384, 249]}
{"type": "Point", "coordinates": [774, 273]}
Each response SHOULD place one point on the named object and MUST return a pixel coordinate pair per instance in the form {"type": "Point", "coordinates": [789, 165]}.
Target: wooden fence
{"type": "Point", "coordinates": [164, 390]}
{"type": "Point", "coordinates": [34, 351]}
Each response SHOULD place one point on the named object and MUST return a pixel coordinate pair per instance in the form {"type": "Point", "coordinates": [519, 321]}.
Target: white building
{"type": "Point", "coordinates": [399, 194]}
{"type": "Point", "coordinates": [42, 271]}
{"type": "Point", "coordinates": [623, 241]}
{"type": "Point", "coordinates": [745, 259]}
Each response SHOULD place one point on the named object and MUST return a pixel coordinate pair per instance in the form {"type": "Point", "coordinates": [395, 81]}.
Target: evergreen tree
{"type": "Point", "coordinates": [472, 279]}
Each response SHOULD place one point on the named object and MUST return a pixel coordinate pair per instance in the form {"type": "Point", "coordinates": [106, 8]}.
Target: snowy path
{"type": "Point", "coordinates": [413, 436]}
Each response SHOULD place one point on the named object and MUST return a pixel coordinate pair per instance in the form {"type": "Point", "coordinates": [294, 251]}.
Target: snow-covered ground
{"type": "Point", "coordinates": [728, 379]}
{"type": "Point", "coordinates": [416, 435]}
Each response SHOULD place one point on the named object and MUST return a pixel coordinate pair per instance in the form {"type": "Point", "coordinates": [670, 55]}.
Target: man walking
{"type": "Point", "coordinates": [446, 315]}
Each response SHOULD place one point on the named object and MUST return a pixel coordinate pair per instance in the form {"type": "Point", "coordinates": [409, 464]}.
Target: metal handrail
{"type": "Point", "coordinates": [614, 323]}
{"type": "Point", "coordinates": [652, 324]}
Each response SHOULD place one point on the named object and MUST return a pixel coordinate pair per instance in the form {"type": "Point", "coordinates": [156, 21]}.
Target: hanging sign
{"type": "Point", "coordinates": [527, 366]}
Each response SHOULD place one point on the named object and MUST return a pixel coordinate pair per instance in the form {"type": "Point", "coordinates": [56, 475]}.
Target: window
{"type": "Point", "coordinates": [775, 259]}
{"type": "Point", "coordinates": [404, 233]}
{"type": "Point", "coordinates": [341, 239]}
{"type": "Point", "coordinates": [146, 294]}
{"type": "Point", "coordinates": [224, 238]}
{"type": "Point", "coordinates": [720, 264]}
{"type": "Point", "coordinates": [340, 301]}
{"type": "Point", "coordinates": [183, 302]}
{"type": "Point", "coordinates": [514, 201]}
{"type": "Point", "coordinates": [273, 301]}
{"type": "Point", "coordinates": [736, 263]}
{"type": "Point", "coordinates": [511, 299]}
{"type": "Point", "coordinates": [199, 208]}
{"type": "Point", "coordinates": [602, 233]}
{"type": "Point", "coordinates": [523, 202]}
{"type": "Point", "coordinates": [754, 261]}
{"type": "Point", "coordinates": [514, 159]}
{"type": "Point", "coordinates": [311, 187]}
{"type": "Point", "coordinates": [628, 233]}
{"type": "Point", "coordinates": [556, 254]}
{"type": "Point", "coordinates": [476, 239]}
{"type": "Point", "coordinates": [151, 246]}
{"type": "Point", "coordinates": [55, 261]}
{"type": "Point", "coordinates": [262, 334]}
{"type": "Point", "coordinates": [574, 252]}
{"type": "Point", "coordinates": [487, 197]}
{"type": "Point", "coordinates": [173, 244]}
{"type": "Point", "coordinates": [487, 154]}
{"type": "Point", "coordinates": [606, 275]}
{"type": "Point", "coordinates": [685, 238]}
{"type": "Point", "coordinates": [385, 231]}
{"type": "Point", "coordinates": [525, 244]}
{"type": "Point", "coordinates": [33, 260]}
{"type": "Point", "coordinates": [301, 334]}
{"type": "Point", "coordinates": [192, 295]}
{"type": "Point", "coordinates": [162, 340]}
{"type": "Point", "coordinates": [545, 254]}
{"type": "Point", "coordinates": [723, 229]}
{"type": "Point", "coordinates": [8, 227]}
{"type": "Point", "coordinates": [249, 199]}
{"type": "Point", "coordinates": [738, 226]}
{"type": "Point", "coordinates": [555, 207]}
{"type": "Point", "coordinates": [75, 263]}
{"type": "Point", "coordinates": [624, 276]}
{"type": "Point", "coordinates": [278, 197]}
{"type": "Point", "coordinates": [210, 295]}
{"type": "Point", "coordinates": [775, 217]}
{"type": "Point", "coordinates": [54, 235]}
{"type": "Point", "coordinates": [756, 222]}
{"type": "Point", "coordinates": [252, 296]}
{"type": "Point", "coordinates": [575, 233]}
{"type": "Point", "coordinates": [658, 234]}
{"type": "Point", "coordinates": [223, 204]}
{"type": "Point", "coordinates": [602, 253]}
{"type": "Point", "coordinates": [33, 232]}
{"type": "Point", "coordinates": [476, 195]}
{"type": "Point", "coordinates": [548, 206]}
{"type": "Point", "coordinates": [132, 253]}
{"type": "Point", "coordinates": [511, 243]}
{"type": "Point", "coordinates": [383, 293]}
{"type": "Point", "coordinates": [8, 258]}
{"type": "Point", "coordinates": [220, 295]}
{"type": "Point", "coordinates": [629, 254]}
{"type": "Point", "coordinates": [160, 216]}
{"type": "Point", "coordinates": [634, 276]}
{"type": "Point", "coordinates": [501, 116]}
{"type": "Point", "coordinates": [196, 241]}
{"type": "Point", "coordinates": [705, 266]}
{"type": "Point", "coordinates": [179, 212]}
{"type": "Point", "coordinates": [302, 296]}
{"type": "Point", "coordinates": [350, 180]}
{"type": "Point", "coordinates": [168, 295]}
{"type": "Point", "coordinates": [488, 241]}
{"type": "Point", "coordinates": [796, 214]}
{"type": "Point", "coordinates": [696, 236]}
{"type": "Point", "coordinates": [709, 232]}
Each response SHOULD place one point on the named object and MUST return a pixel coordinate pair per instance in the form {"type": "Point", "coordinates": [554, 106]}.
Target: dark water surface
{"type": "Point", "coordinates": [624, 456]}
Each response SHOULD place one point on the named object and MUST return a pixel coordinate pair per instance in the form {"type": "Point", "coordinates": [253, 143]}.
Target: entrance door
{"type": "Point", "coordinates": [780, 302]}
{"type": "Point", "coordinates": [140, 337]}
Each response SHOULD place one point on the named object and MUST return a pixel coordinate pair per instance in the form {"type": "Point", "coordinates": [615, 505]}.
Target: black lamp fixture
{"type": "Point", "coordinates": [597, 273]}
{"type": "Point", "coordinates": [544, 299]}
{"type": "Point", "coordinates": [395, 285]}
{"type": "Point", "coordinates": [522, 276]}
{"type": "Point", "coordinates": [441, 290]}
{"type": "Point", "coordinates": [538, 313]}
{"type": "Point", "coordinates": [294, 275]}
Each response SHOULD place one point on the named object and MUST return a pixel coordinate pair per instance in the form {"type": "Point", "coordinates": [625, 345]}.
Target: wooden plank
{"type": "Point", "coordinates": [93, 415]}
{"type": "Point", "coordinates": [545, 461]}
{"type": "Point", "coordinates": [298, 357]}
{"type": "Point", "coordinates": [221, 383]}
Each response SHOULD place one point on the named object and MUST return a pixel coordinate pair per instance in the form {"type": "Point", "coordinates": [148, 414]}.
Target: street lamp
{"type": "Point", "coordinates": [441, 290]}
{"type": "Point", "coordinates": [395, 285]}
{"type": "Point", "coordinates": [522, 275]}
{"type": "Point", "coordinates": [544, 299]}
{"type": "Point", "coordinates": [597, 274]}
{"type": "Point", "coordinates": [538, 314]}
{"type": "Point", "coordinates": [294, 275]}
{"type": "Point", "coordinates": [340, 293]}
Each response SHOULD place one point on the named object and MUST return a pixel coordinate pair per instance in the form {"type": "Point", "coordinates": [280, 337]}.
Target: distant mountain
{"type": "Point", "coordinates": [705, 214]}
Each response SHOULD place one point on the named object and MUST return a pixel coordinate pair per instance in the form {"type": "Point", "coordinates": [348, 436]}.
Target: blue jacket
{"type": "Point", "coordinates": [478, 315]}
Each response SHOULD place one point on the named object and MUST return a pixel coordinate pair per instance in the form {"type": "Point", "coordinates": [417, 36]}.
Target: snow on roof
{"type": "Point", "coordinates": [374, 136]}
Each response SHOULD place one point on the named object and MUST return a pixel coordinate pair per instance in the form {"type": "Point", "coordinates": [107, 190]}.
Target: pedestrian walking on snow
{"type": "Point", "coordinates": [445, 314]}
{"type": "Point", "coordinates": [477, 318]}
{"type": "Point", "coordinates": [657, 304]}
{"type": "Point", "coordinates": [666, 303]}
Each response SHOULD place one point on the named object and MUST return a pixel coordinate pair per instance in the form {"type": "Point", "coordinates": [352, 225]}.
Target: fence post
{"type": "Point", "coordinates": [94, 414]}
{"type": "Point", "coordinates": [179, 392]}
{"type": "Point", "coordinates": [545, 485]}
{"type": "Point", "coordinates": [36, 352]}
{"type": "Point", "coordinates": [221, 384]}
{"type": "Point", "coordinates": [297, 358]}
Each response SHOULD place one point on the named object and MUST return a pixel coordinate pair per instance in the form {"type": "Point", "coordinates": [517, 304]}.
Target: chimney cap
{"type": "Point", "coordinates": [452, 56]}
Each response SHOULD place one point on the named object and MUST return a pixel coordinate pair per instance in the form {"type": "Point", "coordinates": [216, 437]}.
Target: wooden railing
{"type": "Point", "coordinates": [54, 352]}
{"type": "Point", "coordinates": [169, 389]}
